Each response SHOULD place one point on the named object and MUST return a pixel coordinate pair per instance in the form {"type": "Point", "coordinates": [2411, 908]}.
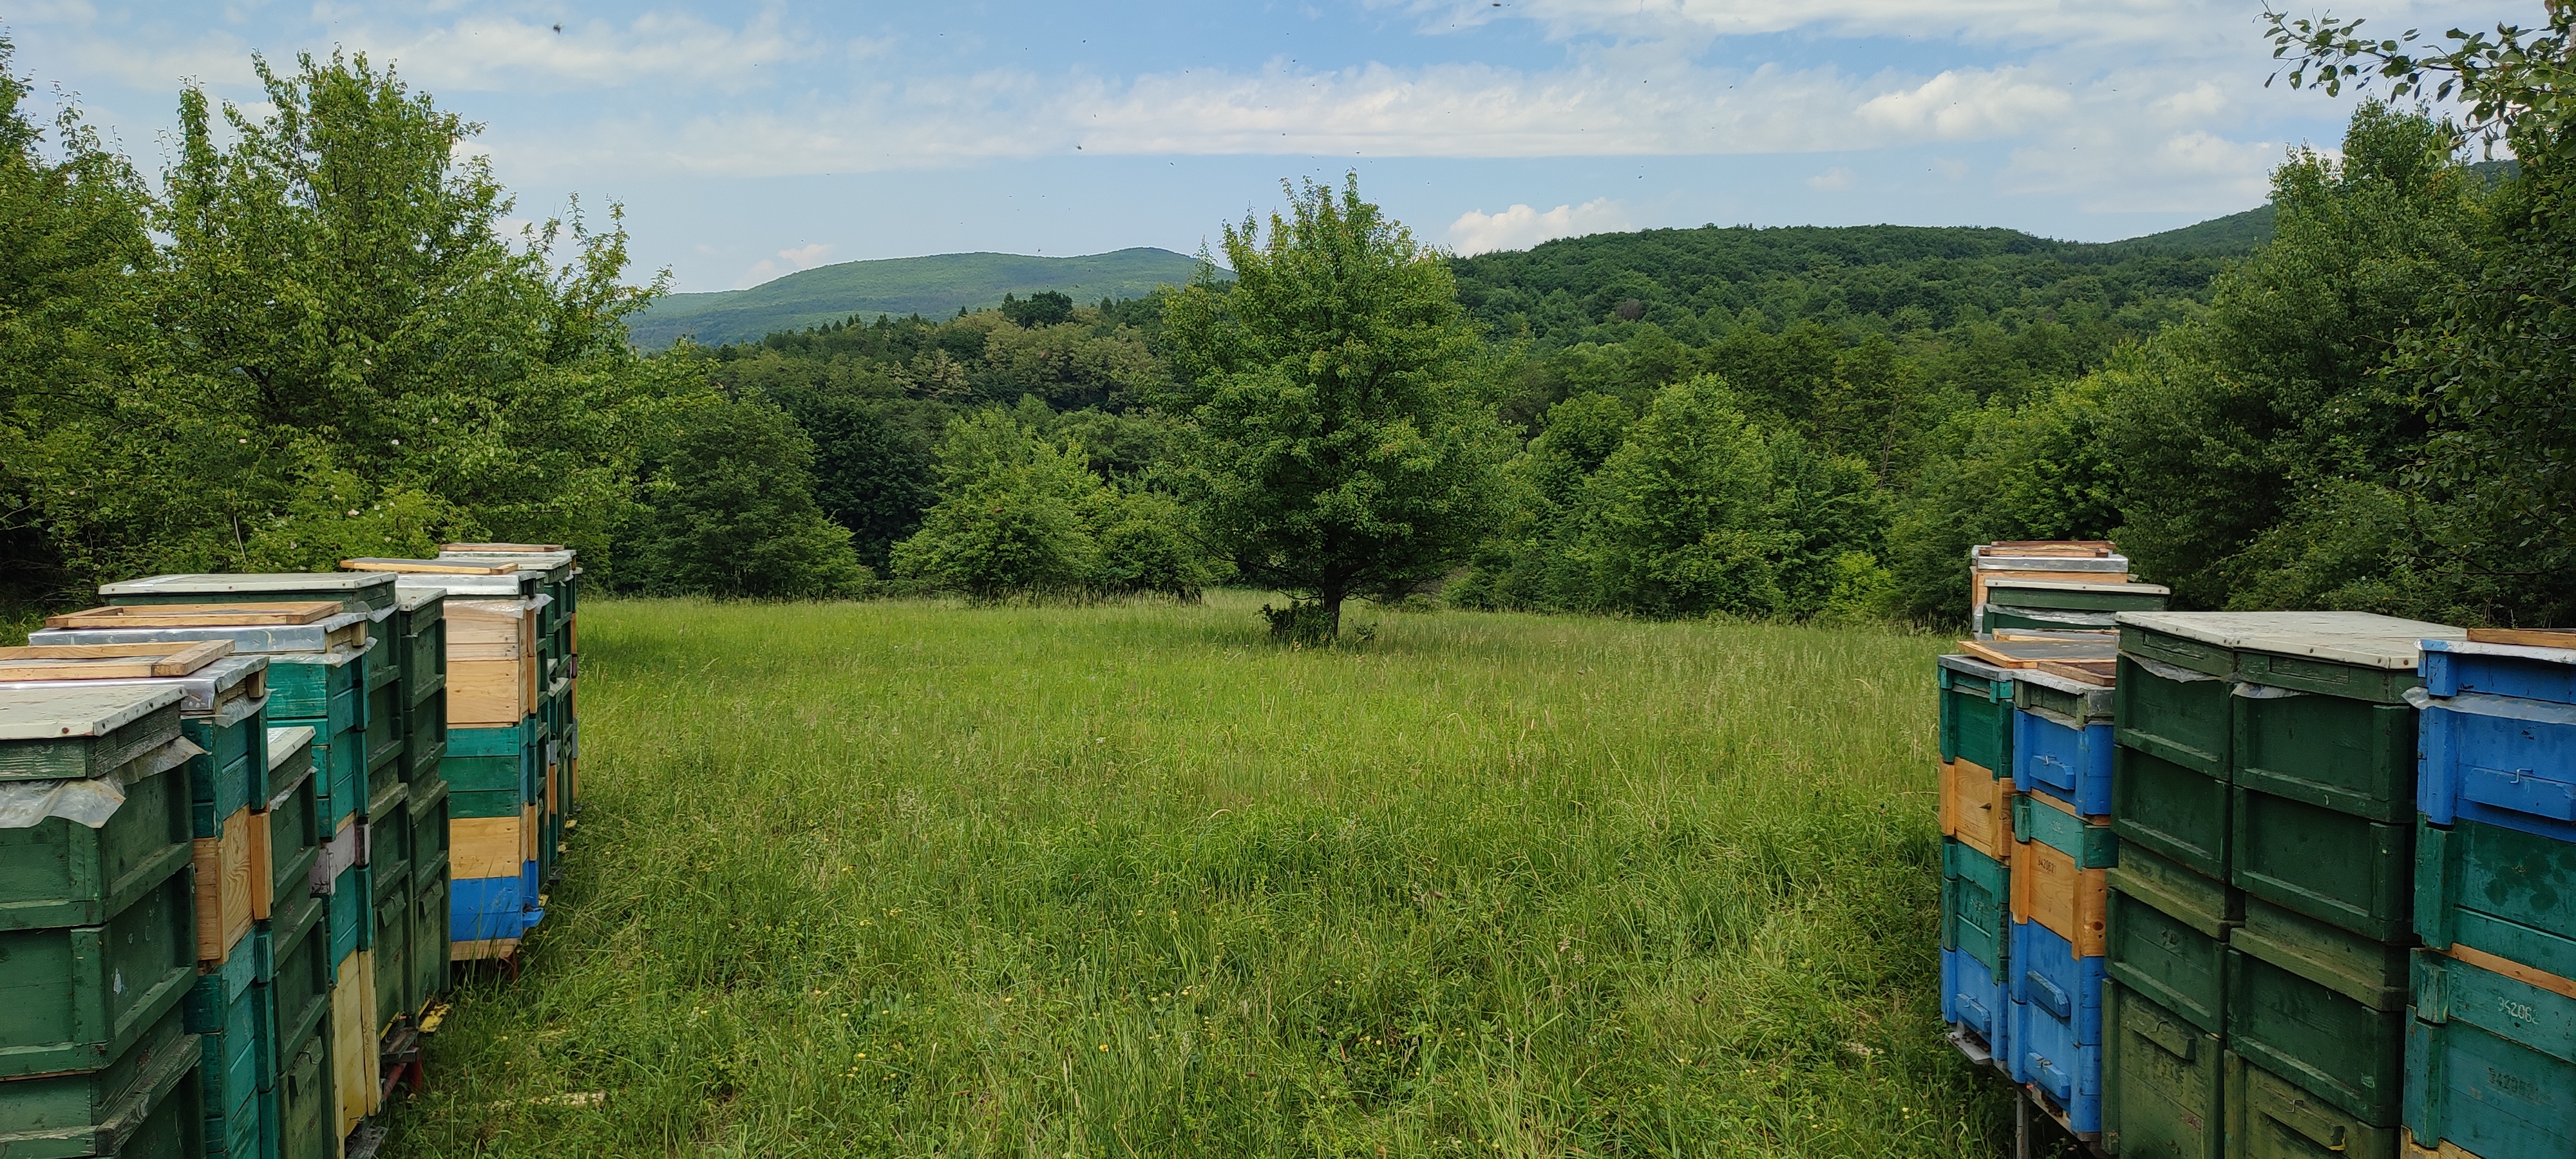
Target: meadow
{"type": "Point", "coordinates": [914, 878]}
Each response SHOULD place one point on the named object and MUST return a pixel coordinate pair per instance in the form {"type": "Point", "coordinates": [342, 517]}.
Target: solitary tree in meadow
{"type": "Point", "coordinates": [1341, 444]}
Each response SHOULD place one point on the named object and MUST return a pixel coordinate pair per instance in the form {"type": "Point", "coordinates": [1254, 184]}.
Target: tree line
{"type": "Point", "coordinates": [312, 339]}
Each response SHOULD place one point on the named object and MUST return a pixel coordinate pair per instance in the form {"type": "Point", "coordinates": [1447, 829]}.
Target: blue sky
{"type": "Point", "coordinates": [751, 140]}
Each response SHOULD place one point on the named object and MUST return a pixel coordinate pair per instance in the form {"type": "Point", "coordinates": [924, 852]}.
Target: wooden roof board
{"type": "Point", "coordinates": [282, 743]}
{"type": "Point", "coordinates": [58, 713]}
{"type": "Point", "coordinates": [197, 615]}
{"type": "Point", "coordinates": [213, 690]}
{"type": "Point", "coordinates": [122, 661]}
{"type": "Point", "coordinates": [2018, 654]}
{"type": "Point", "coordinates": [2366, 639]}
{"type": "Point", "coordinates": [497, 548]}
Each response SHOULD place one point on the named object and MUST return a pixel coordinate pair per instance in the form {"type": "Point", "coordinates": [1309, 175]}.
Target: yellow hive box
{"type": "Point", "coordinates": [224, 877]}
{"type": "Point", "coordinates": [354, 1053]}
{"type": "Point", "coordinates": [2048, 887]}
{"type": "Point", "coordinates": [1976, 808]}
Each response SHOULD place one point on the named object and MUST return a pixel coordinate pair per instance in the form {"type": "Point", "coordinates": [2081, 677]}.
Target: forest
{"type": "Point", "coordinates": [312, 338]}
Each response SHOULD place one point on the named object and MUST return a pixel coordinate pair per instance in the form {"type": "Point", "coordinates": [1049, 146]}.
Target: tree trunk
{"type": "Point", "coordinates": [1332, 601]}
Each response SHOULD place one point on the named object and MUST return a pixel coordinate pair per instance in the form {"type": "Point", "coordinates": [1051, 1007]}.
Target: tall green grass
{"type": "Point", "coordinates": [916, 879]}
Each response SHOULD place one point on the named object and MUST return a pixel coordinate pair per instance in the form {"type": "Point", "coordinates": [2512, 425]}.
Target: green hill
{"type": "Point", "coordinates": [2236, 233]}
{"type": "Point", "coordinates": [934, 287]}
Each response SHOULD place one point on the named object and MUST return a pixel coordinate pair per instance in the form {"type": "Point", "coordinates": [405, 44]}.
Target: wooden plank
{"type": "Point", "coordinates": [427, 567]}
{"type": "Point", "coordinates": [488, 846]}
{"type": "Point", "coordinates": [224, 874]}
{"type": "Point", "coordinates": [285, 614]}
{"type": "Point", "coordinates": [2027, 654]}
{"type": "Point", "coordinates": [2527, 637]}
{"type": "Point", "coordinates": [2089, 671]}
{"type": "Point", "coordinates": [488, 949]}
{"type": "Point", "coordinates": [263, 859]}
{"type": "Point", "coordinates": [109, 661]}
{"type": "Point", "coordinates": [2542, 979]}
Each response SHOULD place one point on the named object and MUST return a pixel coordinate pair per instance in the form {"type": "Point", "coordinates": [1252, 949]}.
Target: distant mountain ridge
{"type": "Point", "coordinates": [935, 287]}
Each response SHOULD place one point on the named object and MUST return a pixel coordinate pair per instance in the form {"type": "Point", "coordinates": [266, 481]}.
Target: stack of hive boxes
{"type": "Point", "coordinates": [288, 971]}
{"type": "Point", "coordinates": [98, 924]}
{"type": "Point", "coordinates": [2042, 582]}
{"type": "Point", "coordinates": [492, 623]}
{"type": "Point", "coordinates": [558, 726]}
{"type": "Point", "coordinates": [1976, 850]}
{"type": "Point", "coordinates": [346, 694]}
{"type": "Point", "coordinates": [223, 698]}
{"type": "Point", "coordinates": [2062, 850]}
{"type": "Point", "coordinates": [2491, 1046]}
{"type": "Point", "coordinates": [2260, 910]}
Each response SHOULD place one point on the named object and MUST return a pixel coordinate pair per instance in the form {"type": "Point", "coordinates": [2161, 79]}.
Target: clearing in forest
{"type": "Point", "coordinates": [908, 878]}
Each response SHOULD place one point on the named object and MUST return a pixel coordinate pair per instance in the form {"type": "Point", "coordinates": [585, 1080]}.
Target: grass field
{"type": "Point", "coordinates": [915, 879]}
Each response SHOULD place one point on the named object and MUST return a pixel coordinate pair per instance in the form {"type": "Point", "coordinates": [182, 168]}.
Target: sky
{"type": "Point", "coordinates": [747, 141]}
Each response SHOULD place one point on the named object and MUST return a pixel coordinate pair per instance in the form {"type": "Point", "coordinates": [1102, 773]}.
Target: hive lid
{"type": "Point", "coordinates": [2362, 638]}
{"type": "Point", "coordinates": [1974, 667]}
{"type": "Point", "coordinates": [501, 585]}
{"type": "Point", "coordinates": [497, 548]}
{"type": "Point", "coordinates": [430, 566]}
{"type": "Point", "coordinates": [2517, 651]}
{"type": "Point", "coordinates": [318, 636]}
{"type": "Point", "coordinates": [59, 712]}
{"type": "Point", "coordinates": [414, 599]}
{"type": "Point", "coordinates": [282, 743]}
{"type": "Point", "coordinates": [1993, 564]}
{"type": "Point", "coordinates": [250, 582]}
{"type": "Point", "coordinates": [2106, 587]}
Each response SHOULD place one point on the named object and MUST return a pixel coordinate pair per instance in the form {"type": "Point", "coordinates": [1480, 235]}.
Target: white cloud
{"type": "Point", "coordinates": [1968, 104]}
{"type": "Point", "coordinates": [1836, 178]}
{"type": "Point", "coordinates": [508, 54]}
{"type": "Point", "coordinates": [1521, 227]}
{"type": "Point", "coordinates": [787, 261]}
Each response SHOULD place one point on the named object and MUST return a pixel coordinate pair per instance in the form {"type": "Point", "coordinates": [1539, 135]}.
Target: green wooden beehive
{"type": "Point", "coordinates": [76, 998]}
{"type": "Point", "coordinates": [421, 624]}
{"type": "Point", "coordinates": [2167, 933]}
{"type": "Point", "coordinates": [1976, 713]}
{"type": "Point", "coordinates": [385, 730]}
{"type": "Point", "coordinates": [2490, 1062]}
{"type": "Point", "coordinates": [128, 1106]}
{"type": "Point", "coordinates": [2092, 846]}
{"type": "Point", "coordinates": [2360, 967]}
{"type": "Point", "coordinates": [227, 777]}
{"type": "Point", "coordinates": [2351, 756]}
{"type": "Point", "coordinates": [53, 734]}
{"type": "Point", "coordinates": [322, 689]}
{"type": "Point", "coordinates": [2171, 810]}
{"type": "Point", "coordinates": [390, 949]}
{"type": "Point", "coordinates": [300, 978]}
{"type": "Point", "coordinates": [62, 873]}
{"type": "Point", "coordinates": [294, 814]}
{"type": "Point", "coordinates": [2163, 1081]}
{"type": "Point", "coordinates": [2270, 1117]}
{"type": "Point", "coordinates": [429, 930]}
{"type": "Point", "coordinates": [428, 820]}
{"type": "Point", "coordinates": [1976, 904]}
{"type": "Point", "coordinates": [307, 1116]}
{"type": "Point", "coordinates": [2174, 714]}
{"type": "Point", "coordinates": [425, 740]}
{"type": "Point", "coordinates": [2330, 1045]}
{"type": "Point", "coordinates": [388, 841]}
{"type": "Point", "coordinates": [2501, 891]}
{"type": "Point", "coordinates": [2352, 871]}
